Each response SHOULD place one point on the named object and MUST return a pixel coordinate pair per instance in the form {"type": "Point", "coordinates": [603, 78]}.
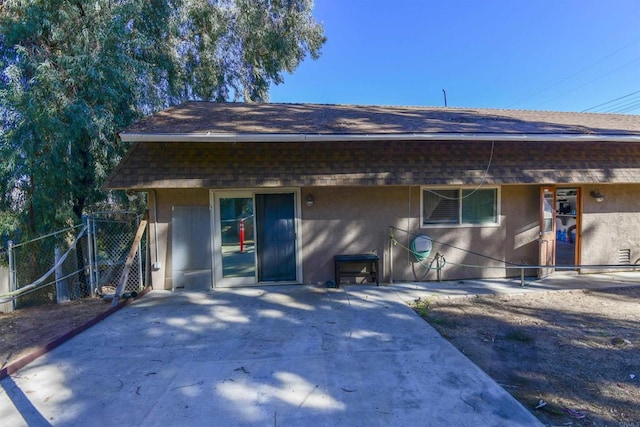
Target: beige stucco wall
{"type": "Point", "coordinates": [610, 225]}
{"type": "Point", "coordinates": [349, 220]}
{"type": "Point", "coordinates": [357, 219]}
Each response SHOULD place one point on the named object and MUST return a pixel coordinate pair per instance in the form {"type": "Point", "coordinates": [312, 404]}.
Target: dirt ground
{"type": "Point", "coordinates": [570, 357]}
{"type": "Point", "coordinates": [27, 329]}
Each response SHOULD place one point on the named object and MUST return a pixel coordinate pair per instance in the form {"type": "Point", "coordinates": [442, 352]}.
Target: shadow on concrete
{"type": "Point", "coordinates": [292, 355]}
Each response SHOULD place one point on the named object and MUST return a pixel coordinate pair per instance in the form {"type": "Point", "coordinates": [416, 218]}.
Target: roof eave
{"type": "Point", "coordinates": [283, 137]}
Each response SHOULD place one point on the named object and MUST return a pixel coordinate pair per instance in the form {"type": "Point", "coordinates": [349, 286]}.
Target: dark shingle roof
{"type": "Point", "coordinates": [203, 118]}
{"type": "Point", "coordinates": [356, 163]}
{"type": "Point", "coordinates": [174, 149]}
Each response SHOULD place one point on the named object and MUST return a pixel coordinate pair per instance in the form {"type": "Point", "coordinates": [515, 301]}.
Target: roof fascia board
{"type": "Point", "coordinates": [279, 137]}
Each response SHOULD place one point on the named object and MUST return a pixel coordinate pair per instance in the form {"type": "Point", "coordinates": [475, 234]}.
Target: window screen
{"type": "Point", "coordinates": [459, 206]}
{"type": "Point", "coordinates": [441, 207]}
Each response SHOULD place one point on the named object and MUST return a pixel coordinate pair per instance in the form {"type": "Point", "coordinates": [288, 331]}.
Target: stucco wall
{"type": "Point", "coordinates": [357, 220]}
{"type": "Point", "coordinates": [348, 220]}
{"type": "Point", "coordinates": [610, 225]}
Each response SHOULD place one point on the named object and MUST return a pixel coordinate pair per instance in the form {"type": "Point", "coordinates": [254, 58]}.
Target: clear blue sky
{"type": "Point", "coordinates": [561, 55]}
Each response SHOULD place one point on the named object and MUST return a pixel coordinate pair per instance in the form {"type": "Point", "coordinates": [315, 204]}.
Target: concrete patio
{"type": "Point", "coordinates": [291, 356]}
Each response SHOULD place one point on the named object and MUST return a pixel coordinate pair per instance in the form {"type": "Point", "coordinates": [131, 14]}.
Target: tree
{"type": "Point", "coordinates": [74, 72]}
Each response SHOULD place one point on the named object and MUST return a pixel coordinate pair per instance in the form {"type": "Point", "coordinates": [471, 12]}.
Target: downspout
{"type": "Point", "coordinates": [156, 264]}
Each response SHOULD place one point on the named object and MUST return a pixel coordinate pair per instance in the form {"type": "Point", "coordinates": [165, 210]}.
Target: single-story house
{"type": "Point", "coordinates": [253, 194]}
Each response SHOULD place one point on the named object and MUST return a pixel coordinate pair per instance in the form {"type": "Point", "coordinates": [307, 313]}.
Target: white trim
{"type": "Point", "coordinates": [461, 187]}
{"type": "Point", "coordinates": [300, 137]}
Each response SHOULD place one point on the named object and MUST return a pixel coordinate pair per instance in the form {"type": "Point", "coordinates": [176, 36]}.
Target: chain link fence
{"type": "Point", "coordinates": [82, 261]}
{"type": "Point", "coordinates": [114, 233]}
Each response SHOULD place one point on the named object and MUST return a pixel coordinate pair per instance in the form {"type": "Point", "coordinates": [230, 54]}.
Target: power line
{"type": "Point", "coordinates": [624, 106]}
{"type": "Point", "coordinates": [611, 101]}
{"type": "Point", "coordinates": [631, 108]}
{"type": "Point", "coordinates": [589, 82]}
{"type": "Point", "coordinates": [574, 74]}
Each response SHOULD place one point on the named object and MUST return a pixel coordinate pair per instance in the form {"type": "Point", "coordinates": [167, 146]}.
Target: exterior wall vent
{"type": "Point", "coordinates": [624, 256]}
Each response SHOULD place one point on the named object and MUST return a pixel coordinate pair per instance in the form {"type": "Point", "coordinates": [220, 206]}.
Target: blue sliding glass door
{"type": "Point", "coordinates": [255, 238]}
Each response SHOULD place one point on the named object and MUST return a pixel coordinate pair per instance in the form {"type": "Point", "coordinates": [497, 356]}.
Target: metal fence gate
{"type": "Point", "coordinates": [82, 261]}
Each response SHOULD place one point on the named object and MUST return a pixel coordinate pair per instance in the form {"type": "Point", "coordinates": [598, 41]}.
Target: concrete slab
{"type": "Point", "coordinates": [559, 281]}
{"type": "Point", "coordinates": [291, 356]}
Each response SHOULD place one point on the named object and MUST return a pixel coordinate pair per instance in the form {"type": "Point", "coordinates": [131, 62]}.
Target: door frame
{"type": "Point", "coordinates": [578, 217]}
{"type": "Point", "coordinates": [214, 200]}
{"type": "Point", "coordinates": [547, 238]}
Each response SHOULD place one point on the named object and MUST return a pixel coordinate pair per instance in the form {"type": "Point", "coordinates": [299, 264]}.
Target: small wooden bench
{"type": "Point", "coordinates": [362, 265]}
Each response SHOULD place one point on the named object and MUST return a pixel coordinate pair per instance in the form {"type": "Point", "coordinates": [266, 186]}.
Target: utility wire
{"type": "Point", "coordinates": [589, 82]}
{"type": "Point", "coordinates": [629, 105]}
{"type": "Point", "coordinates": [633, 107]}
{"type": "Point", "coordinates": [482, 181]}
{"type": "Point", "coordinates": [574, 74]}
{"type": "Point", "coordinates": [611, 101]}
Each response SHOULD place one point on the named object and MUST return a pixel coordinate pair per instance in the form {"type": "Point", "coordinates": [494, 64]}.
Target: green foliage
{"type": "Point", "coordinates": [422, 307]}
{"type": "Point", "coordinates": [73, 73]}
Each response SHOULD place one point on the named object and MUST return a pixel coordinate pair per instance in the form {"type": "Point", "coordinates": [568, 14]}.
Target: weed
{"type": "Point", "coordinates": [553, 410]}
{"type": "Point", "coordinates": [518, 335]}
{"type": "Point", "coordinates": [421, 306]}
{"type": "Point", "coordinates": [440, 321]}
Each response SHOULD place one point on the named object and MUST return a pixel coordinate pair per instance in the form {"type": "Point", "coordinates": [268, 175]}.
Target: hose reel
{"type": "Point", "coordinates": [421, 247]}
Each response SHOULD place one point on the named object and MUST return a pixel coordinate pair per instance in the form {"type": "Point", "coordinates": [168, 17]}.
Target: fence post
{"type": "Point", "coordinates": [62, 290]}
{"type": "Point", "coordinates": [140, 278]}
{"type": "Point", "coordinates": [6, 307]}
{"type": "Point", "coordinates": [12, 270]}
{"type": "Point", "coordinates": [90, 247]}
{"type": "Point", "coordinates": [391, 255]}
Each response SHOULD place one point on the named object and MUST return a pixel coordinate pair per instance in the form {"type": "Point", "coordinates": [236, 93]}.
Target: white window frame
{"type": "Point", "coordinates": [460, 188]}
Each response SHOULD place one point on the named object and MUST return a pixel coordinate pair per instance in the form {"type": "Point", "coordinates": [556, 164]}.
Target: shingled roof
{"type": "Point", "coordinates": [202, 119]}
{"type": "Point", "coordinates": [331, 145]}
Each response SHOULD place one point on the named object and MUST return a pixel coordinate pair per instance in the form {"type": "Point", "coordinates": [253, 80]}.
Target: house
{"type": "Point", "coordinates": [246, 194]}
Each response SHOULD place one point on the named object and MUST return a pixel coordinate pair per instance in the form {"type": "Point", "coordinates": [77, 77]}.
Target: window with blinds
{"type": "Point", "coordinates": [459, 206]}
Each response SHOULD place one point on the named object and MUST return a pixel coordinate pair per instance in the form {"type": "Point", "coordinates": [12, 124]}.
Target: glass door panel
{"type": "Point", "coordinates": [236, 225]}
{"type": "Point", "coordinates": [547, 245]}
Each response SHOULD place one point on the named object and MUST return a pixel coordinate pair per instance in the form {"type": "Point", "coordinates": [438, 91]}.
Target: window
{"type": "Point", "coordinates": [459, 206]}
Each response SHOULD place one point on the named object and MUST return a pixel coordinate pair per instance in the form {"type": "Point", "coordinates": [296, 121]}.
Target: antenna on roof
{"type": "Point", "coordinates": [444, 92]}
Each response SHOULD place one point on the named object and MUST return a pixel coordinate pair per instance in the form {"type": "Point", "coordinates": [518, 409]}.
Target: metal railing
{"type": "Point", "coordinates": [441, 262]}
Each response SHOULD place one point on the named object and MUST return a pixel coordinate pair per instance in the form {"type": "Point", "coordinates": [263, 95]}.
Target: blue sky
{"type": "Point", "coordinates": [559, 55]}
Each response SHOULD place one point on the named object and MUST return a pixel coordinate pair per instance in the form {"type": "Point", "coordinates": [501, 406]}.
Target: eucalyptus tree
{"type": "Point", "coordinates": [75, 72]}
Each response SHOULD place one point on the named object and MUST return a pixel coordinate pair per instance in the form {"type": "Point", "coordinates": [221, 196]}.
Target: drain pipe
{"type": "Point", "coordinates": [156, 265]}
